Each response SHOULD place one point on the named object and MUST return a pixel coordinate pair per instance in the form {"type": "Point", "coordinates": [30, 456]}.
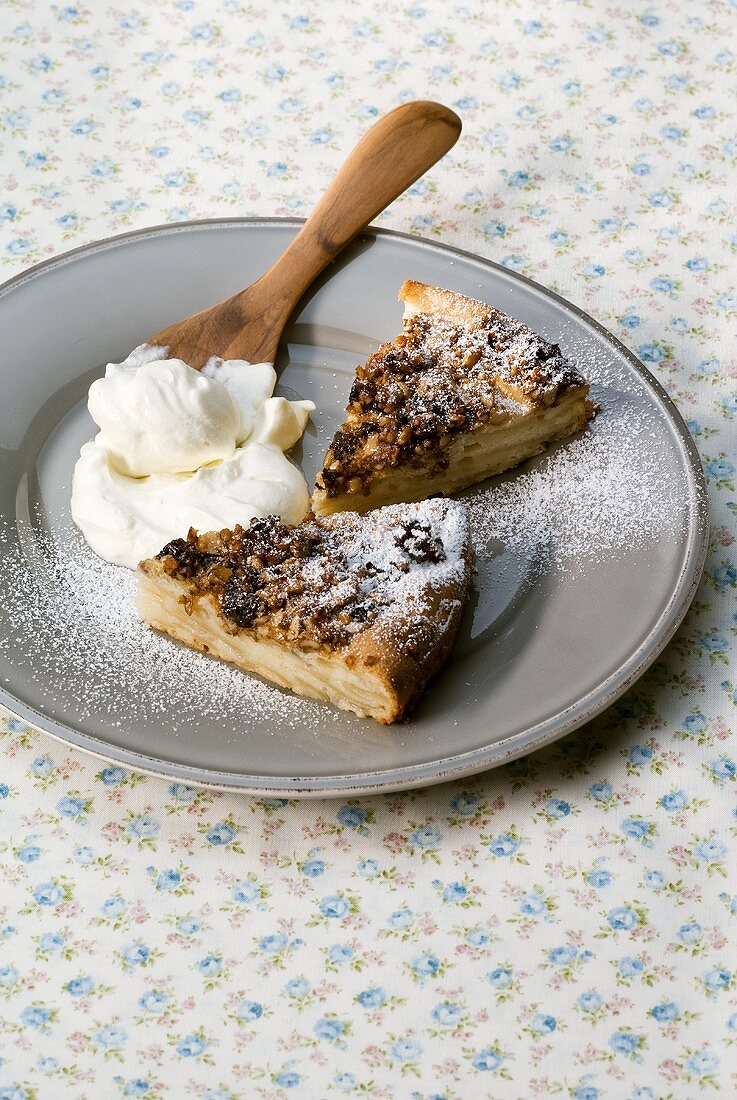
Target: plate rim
{"type": "Point", "coordinates": [446, 768]}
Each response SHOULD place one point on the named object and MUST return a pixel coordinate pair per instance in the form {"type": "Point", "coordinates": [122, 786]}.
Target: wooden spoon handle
{"type": "Point", "coordinates": [396, 151]}
{"type": "Point", "coordinates": [392, 155]}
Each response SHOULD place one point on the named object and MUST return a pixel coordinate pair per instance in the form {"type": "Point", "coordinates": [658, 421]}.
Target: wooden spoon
{"type": "Point", "coordinates": [395, 152]}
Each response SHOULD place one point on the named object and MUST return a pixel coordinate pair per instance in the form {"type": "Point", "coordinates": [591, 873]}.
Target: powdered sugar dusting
{"type": "Point", "coordinates": [75, 622]}
{"type": "Point", "coordinates": [395, 553]}
{"type": "Point", "coordinates": [586, 500]}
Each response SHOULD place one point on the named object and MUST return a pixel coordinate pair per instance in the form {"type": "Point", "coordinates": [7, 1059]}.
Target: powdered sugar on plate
{"type": "Point", "coordinates": [587, 499]}
{"type": "Point", "coordinates": [74, 621]}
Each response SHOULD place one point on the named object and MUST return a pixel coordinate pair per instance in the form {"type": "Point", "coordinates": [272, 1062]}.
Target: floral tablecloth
{"type": "Point", "coordinates": [566, 926]}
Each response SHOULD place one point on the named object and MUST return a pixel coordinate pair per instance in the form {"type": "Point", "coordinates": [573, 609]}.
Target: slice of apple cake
{"type": "Point", "coordinates": [463, 393]}
{"type": "Point", "coordinates": [360, 611]}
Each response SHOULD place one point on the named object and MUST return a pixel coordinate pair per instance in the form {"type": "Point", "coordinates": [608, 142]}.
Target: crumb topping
{"type": "Point", "coordinates": [325, 581]}
{"type": "Point", "coordinates": [436, 380]}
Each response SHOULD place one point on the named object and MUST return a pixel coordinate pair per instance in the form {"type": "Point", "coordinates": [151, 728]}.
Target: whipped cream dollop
{"type": "Point", "coordinates": [180, 448]}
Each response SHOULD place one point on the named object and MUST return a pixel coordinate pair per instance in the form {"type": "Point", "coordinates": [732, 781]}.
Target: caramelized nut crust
{"type": "Point", "coordinates": [439, 378]}
{"type": "Point", "coordinates": [323, 582]}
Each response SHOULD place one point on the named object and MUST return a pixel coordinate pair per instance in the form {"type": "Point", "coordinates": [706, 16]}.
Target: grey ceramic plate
{"type": "Point", "coordinates": [544, 652]}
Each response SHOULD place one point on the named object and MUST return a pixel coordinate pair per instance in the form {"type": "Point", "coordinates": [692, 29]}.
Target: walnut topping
{"type": "Point", "coordinates": [436, 380]}
{"type": "Point", "coordinates": [186, 555]}
{"type": "Point", "coordinates": [237, 602]}
{"type": "Point", "coordinates": [324, 581]}
{"type": "Point", "coordinates": [419, 544]}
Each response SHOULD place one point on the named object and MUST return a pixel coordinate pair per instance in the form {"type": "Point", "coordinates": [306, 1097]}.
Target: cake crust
{"type": "Point", "coordinates": [359, 610]}
{"type": "Point", "coordinates": [460, 375]}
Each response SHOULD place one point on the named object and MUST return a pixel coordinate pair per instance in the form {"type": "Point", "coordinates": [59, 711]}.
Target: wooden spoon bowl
{"type": "Point", "coordinates": [396, 151]}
